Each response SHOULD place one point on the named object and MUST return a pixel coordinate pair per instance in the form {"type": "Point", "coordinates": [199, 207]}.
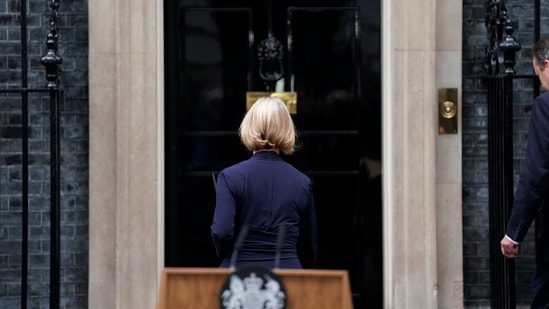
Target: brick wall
{"type": "Point", "coordinates": [475, 148]}
{"type": "Point", "coordinates": [73, 48]}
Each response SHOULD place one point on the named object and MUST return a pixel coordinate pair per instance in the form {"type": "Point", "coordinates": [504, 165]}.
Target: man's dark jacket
{"type": "Point", "coordinates": [532, 193]}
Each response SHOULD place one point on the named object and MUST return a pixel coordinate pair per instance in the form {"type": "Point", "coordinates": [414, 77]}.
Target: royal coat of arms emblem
{"type": "Point", "coordinates": [253, 288]}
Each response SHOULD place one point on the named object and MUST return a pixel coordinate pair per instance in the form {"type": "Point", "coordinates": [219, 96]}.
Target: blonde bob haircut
{"type": "Point", "coordinates": [268, 125]}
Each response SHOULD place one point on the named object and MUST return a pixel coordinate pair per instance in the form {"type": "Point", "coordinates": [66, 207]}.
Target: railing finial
{"type": "Point", "coordinates": [51, 60]}
{"type": "Point", "coordinates": [509, 47]}
{"type": "Point", "coordinates": [501, 47]}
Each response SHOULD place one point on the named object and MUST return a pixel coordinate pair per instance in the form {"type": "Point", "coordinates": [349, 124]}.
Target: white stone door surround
{"type": "Point", "coordinates": [421, 189]}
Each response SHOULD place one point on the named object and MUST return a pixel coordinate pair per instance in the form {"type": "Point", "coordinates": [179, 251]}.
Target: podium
{"type": "Point", "coordinates": [198, 288]}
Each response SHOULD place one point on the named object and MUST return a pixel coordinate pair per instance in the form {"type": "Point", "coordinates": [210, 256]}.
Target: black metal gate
{"type": "Point", "coordinates": [500, 61]}
{"type": "Point", "coordinates": [24, 96]}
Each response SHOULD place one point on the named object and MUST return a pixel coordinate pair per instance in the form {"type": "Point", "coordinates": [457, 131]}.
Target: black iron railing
{"type": "Point", "coordinates": [500, 59]}
{"type": "Point", "coordinates": [51, 60]}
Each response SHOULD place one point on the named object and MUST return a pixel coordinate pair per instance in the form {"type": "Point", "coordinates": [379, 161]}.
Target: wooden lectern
{"type": "Point", "coordinates": [199, 288]}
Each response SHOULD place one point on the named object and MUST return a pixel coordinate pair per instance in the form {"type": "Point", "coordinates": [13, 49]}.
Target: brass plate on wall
{"type": "Point", "coordinates": [447, 107]}
{"type": "Point", "coordinates": [290, 98]}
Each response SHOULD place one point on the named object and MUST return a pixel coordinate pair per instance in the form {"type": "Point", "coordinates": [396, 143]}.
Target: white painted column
{"type": "Point", "coordinates": [409, 133]}
{"type": "Point", "coordinates": [449, 159]}
{"type": "Point", "coordinates": [126, 153]}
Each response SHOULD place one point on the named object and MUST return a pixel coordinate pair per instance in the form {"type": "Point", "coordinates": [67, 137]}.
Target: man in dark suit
{"type": "Point", "coordinates": [532, 194]}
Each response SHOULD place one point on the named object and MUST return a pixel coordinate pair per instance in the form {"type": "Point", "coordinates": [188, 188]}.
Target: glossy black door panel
{"type": "Point", "coordinates": [328, 53]}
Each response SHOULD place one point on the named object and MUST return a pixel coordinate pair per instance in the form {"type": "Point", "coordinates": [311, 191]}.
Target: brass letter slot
{"type": "Point", "coordinates": [290, 98]}
{"type": "Point", "coordinates": [447, 107]}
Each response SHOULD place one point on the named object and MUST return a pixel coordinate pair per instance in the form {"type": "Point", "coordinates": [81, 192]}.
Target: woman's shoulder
{"type": "Point", "coordinates": [238, 168]}
{"type": "Point", "coordinates": [296, 173]}
{"type": "Point", "coordinates": [233, 168]}
{"type": "Point", "coordinates": [252, 165]}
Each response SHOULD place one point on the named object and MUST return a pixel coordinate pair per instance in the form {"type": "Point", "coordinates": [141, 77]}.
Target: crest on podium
{"type": "Point", "coordinates": [253, 287]}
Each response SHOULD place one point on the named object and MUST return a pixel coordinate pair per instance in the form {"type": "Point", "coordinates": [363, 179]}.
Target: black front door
{"type": "Point", "coordinates": [327, 53]}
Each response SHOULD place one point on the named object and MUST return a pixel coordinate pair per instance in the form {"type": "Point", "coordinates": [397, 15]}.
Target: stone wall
{"type": "Point", "coordinates": [73, 48]}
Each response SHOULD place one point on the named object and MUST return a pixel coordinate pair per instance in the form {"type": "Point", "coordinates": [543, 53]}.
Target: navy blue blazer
{"type": "Point", "coordinates": [531, 196]}
{"type": "Point", "coordinates": [264, 193]}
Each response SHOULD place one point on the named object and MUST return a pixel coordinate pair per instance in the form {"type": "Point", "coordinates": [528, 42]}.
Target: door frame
{"type": "Point", "coordinates": [420, 38]}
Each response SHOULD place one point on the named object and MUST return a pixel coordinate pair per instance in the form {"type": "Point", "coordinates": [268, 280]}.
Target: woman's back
{"type": "Point", "coordinates": [264, 193]}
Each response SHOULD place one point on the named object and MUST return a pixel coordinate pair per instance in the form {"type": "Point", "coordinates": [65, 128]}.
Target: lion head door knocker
{"type": "Point", "coordinates": [270, 53]}
{"type": "Point", "coordinates": [270, 56]}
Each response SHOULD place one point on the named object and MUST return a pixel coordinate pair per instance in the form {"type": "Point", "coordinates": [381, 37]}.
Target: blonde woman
{"type": "Point", "coordinates": [266, 196]}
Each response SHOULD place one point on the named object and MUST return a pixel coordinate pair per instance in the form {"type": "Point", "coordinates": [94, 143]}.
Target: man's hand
{"type": "Point", "coordinates": [508, 248]}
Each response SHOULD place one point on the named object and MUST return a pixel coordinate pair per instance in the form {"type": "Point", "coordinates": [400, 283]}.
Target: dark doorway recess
{"type": "Point", "coordinates": [328, 53]}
